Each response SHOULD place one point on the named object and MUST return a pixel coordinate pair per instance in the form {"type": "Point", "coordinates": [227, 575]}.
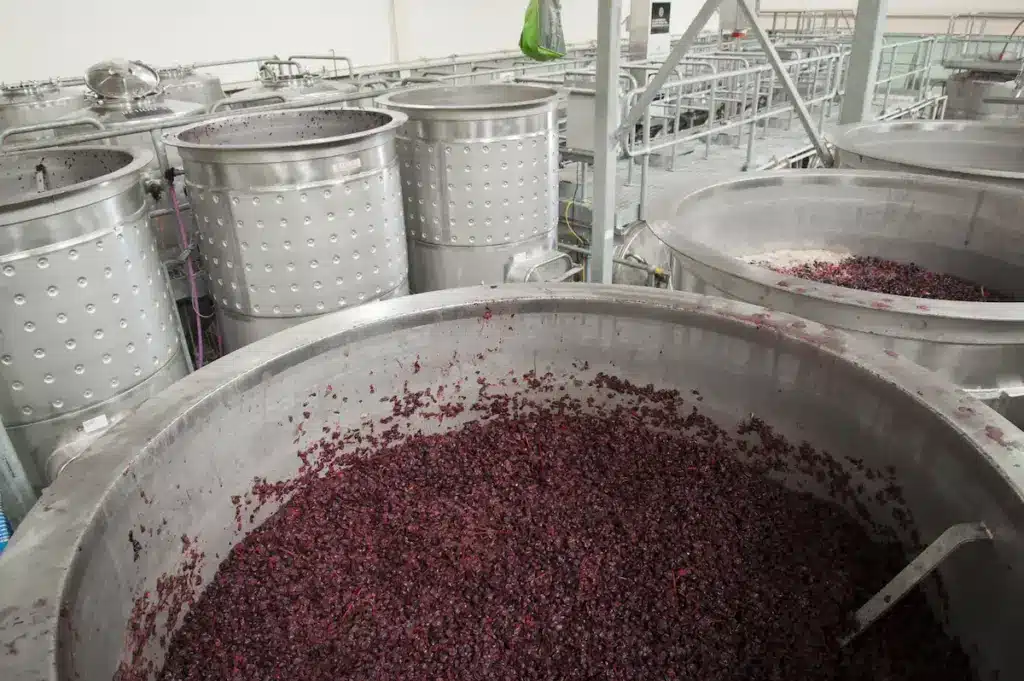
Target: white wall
{"type": "Point", "coordinates": [63, 37]}
{"type": "Point", "coordinates": [35, 43]}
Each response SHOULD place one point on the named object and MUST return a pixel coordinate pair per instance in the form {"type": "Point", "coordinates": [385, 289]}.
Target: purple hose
{"type": "Point", "coordinates": [183, 236]}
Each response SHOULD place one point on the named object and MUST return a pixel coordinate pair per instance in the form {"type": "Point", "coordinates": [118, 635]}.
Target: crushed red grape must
{"type": "Point", "coordinates": [523, 482]}
{"type": "Point", "coordinates": [879, 275]}
{"type": "Point", "coordinates": [542, 541]}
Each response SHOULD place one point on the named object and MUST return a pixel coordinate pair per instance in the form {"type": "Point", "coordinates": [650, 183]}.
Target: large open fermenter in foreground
{"type": "Point", "coordinates": [986, 151]}
{"type": "Point", "coordinates": [299, 213]}
{"type": "Point", "coordinates": [93, 592]}
{"type": "Point", "coordinates": [720, 236]}
{"type": "Point", "coordinates": [480, 180]}
{"type": "Point", "coordinates": [88, 327]}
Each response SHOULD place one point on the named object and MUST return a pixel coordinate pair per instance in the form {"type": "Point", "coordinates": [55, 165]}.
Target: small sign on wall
{"type": "Point", "coordinates": [660, 14]}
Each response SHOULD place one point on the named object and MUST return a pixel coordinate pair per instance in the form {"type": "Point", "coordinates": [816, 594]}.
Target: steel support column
{"type": "Point", "coordinates": [602, 240]}
{"type": "Point", "coordinates": [868, 29]}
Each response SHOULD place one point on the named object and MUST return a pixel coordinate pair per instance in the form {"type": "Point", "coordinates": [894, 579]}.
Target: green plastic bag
{"type": "Point", "coordinates": [542, 38]}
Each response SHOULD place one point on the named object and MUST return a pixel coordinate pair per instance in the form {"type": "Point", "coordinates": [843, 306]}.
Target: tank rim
{"type": "Point", "coordinates": [140, 158]}
{"type": "Point", "coordinates": [544, 95]}
{"type": "Point", "coordinates": [844, 137]}
{"type": "Point", "coordinates": [197, 391]}
{"type": "Point", "coordinates": [684, 247]}
{"type": "Point", "coordinates": [173, 139]}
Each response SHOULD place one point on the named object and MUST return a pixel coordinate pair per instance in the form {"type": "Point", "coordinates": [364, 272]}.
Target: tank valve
{"type": "Point", "coordinates": [154, 188]}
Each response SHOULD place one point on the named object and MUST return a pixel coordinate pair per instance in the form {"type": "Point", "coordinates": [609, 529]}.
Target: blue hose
{"type": "Point", "coordinates": [5, 529]}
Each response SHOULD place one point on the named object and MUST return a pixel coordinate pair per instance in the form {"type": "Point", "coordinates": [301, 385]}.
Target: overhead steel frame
{"type": "Point", "coordinates": [608, 132]}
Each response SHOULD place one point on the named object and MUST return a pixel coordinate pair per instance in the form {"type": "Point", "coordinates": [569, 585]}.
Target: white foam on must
{"type": "Point", "coordinates": [785, 258]}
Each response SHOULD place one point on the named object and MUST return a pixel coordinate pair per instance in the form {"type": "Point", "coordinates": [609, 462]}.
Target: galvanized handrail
{"type": "Point", "coordinates": [327, 57]}
{"type": "Point", "coordinates": [52, 125]}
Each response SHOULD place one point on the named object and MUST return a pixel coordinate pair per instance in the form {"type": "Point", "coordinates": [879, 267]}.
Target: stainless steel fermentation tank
{"type": "Point", "coordinates": [987, 151]}
{"type": "Point", "coordinates": [34, 102]}
{"type": "Point", "coordinates": [287, 81]}
{"type": "Point", "coordinates": [185, 84]}
{"type": "Point", "coordinates": [958, 227]}
{"type": "Point", "coordinates": [299, 213]}
{"type": "Point", "coordinates": [126, 94]}
{"type": "Point", "coordinates": [71, 575]}
{"type": "Point", "coordinates": [87, 324]}
{"type": "Point", "coordinates": [480, 180]}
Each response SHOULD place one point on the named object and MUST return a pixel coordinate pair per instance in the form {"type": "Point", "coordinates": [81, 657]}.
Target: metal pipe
{"type": "Point", "coordinates": [609, 14]}
{"type": "Point", "coordinates": [228, 62]}
{"type": "Point", "coordinates": [420, 79]}
{"type": "Point", "coordinates": [293, 65]}
{"type": "Point", "coordinates": [327, 57]}
{"type": "Point", "coordinates": [768, 102]}
{"type": "Point", "coordinates": [753, 122]}
{"type": "Point", "coordinates": [888, 82]}
{"type": "Point", "coordinates": [787, 84]}
{"type": "Point", "coordinates": [645, 166]}
{"type": "Point", "coordinates": [368, 83]}
{"type": "Point", "coordinates": [52, 125]}
{"type": "Point", "coordinates": [649, 269]}
{"type": "Point", "coordinates": [161, 154]}
{"type": "Point", "coordinates": [229, 101]}
{"type": "Point", "coordinates": [712, 119]}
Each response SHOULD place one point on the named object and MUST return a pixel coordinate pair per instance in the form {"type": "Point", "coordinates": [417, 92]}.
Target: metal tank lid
{"type": "Point", "coordinates": [121, 79]}
{"type": "Point", "coordinates": [978, 150]}
{"type": "Point", "coordinates": [150, 109]}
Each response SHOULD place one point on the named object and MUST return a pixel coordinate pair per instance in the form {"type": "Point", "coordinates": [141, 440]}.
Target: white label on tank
{"type": "Point", "coordinates": [95, 423]}
{"type": "Point", "coordinates": [351, 165]}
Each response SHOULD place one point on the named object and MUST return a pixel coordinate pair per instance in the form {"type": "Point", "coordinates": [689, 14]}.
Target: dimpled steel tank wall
{"type": "Point", "coordinates": [480, 180]}
{"type": "Point", "coordinates": [87, 323]}
{"type": "Point", "coordinates": [299, 212]}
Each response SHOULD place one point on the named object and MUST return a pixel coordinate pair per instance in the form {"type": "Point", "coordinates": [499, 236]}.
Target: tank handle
{"type": "Point", "coordinates": [228, 101]}
{"type": "Point", "coordinates": [294, 67]}
{"type": "Point", "coordinates": [53, 125]}
{"type": "Point", "coordinates": [420, 79]}
{"type": "Point", "coordinates": [914, 573]}
{"type": "Point", "coordinates": [371, 83]}
{"type": "Point", "coordinates": [328, 57]}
